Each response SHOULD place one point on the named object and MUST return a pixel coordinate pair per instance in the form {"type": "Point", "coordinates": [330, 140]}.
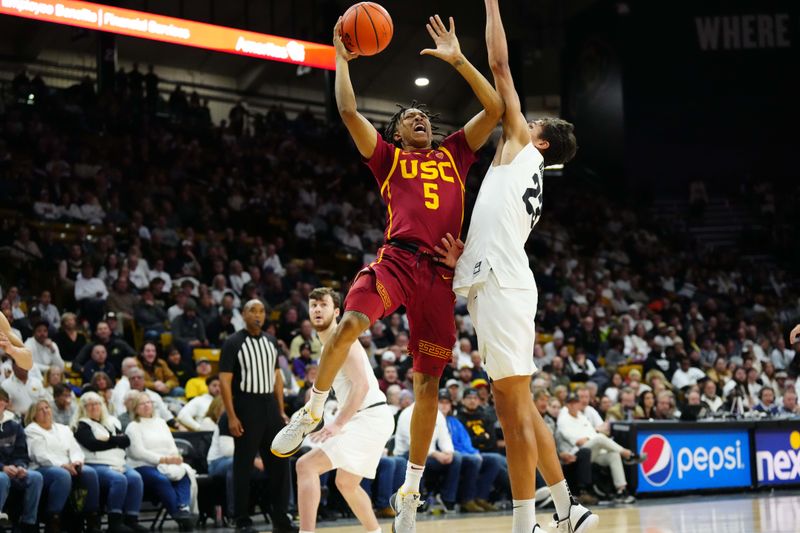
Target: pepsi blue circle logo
{"type": "Point", "coordinates": [657, 468]}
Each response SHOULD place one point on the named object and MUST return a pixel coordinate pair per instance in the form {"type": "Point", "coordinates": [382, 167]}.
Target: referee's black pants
{"type": "Point", "coordinates": [261, 420]}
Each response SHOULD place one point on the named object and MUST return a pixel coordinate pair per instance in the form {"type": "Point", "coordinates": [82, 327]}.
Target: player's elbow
{"type": "Point", "coordinates": [501, 70]}
{"type": "Point", "coordinates": [497, 108]}
{"type": "Point", "coordinates": [348, 113]}
{"type": "Point", "coordinates": [499, 67]}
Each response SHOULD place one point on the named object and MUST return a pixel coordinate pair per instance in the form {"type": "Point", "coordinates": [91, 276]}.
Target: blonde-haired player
{"type": "Point", "coordinates": [353, 442]}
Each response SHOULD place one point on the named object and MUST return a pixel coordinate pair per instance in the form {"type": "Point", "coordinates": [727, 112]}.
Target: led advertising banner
{"type": "Point", "coordinates": [173, 30]}
{"type": "Point", "coordinates": [681, 460]}
{"type": "Point", "coordinates": [778, 457]}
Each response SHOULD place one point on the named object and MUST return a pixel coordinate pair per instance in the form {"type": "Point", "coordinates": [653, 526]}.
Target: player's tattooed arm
{"type": "Point", "coordinates": [361, 130]}
{"type": "Point", "coordinates": [450, 250]}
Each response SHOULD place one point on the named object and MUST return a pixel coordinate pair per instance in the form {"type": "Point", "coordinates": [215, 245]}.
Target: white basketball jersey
{"type": "Point", "coordinates": [508, 206]}
{"type": "Point", "coordinates": [342, 383]}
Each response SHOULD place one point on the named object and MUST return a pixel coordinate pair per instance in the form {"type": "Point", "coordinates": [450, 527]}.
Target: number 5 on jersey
{"type": "Point", "coordinates": [431, 197]}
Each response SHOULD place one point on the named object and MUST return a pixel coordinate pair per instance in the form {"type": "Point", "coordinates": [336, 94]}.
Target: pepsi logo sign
{"type": "Point", "coordinates": [657, 469]}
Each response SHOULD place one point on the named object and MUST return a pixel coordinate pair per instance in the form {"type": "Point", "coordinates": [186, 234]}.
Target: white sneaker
{"type": "Point", "coordinates": [405, 505]}
{"type": "Point", "coordinates": [543, 497]}
{"type": "Point", "coordinates": [290, 438]}
{"type": "Point", "coordinates": [580, 520]}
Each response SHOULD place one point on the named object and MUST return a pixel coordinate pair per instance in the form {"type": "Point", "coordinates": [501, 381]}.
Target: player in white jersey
{"type": "Point", "coordinates": [353, 443]}
{"type": "Point", "coordinates": [494, 275]}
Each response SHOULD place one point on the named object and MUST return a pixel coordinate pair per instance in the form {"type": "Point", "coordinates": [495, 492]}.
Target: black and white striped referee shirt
{"type": "Point", "coordinates": [253, 361]}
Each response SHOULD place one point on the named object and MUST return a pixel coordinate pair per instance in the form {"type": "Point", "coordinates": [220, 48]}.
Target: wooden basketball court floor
{"type": "Point", "coordinates": [777, 512]}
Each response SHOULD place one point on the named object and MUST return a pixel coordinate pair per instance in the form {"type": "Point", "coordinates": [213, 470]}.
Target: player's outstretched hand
{"type": "Point", "coordinates": [330, 430]}
{"type": "Point", "coordinates": [450, 251]}
{"type": "Point", "coordinates": [341, 49]}
{"type": "Point", "coordinates": [794, 336]}
{"type": "Point", "coordinates": [447, 47]}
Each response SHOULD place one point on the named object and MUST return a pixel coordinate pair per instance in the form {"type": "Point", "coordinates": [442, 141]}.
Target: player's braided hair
{"type": "Point", "coordinates": [391, 127]}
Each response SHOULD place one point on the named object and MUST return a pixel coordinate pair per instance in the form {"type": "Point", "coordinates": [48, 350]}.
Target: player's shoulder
{"type": "Point", "coordinates": [458, 137]}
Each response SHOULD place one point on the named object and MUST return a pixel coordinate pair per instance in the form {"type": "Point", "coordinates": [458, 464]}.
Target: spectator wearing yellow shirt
{"type": "Point", "coordinates": [306, 335]}
{"type": "Point", "coordinates": [197, 386]}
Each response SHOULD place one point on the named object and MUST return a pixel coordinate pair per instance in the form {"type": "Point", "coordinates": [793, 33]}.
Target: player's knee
{"type": "Point", "coordinates": [346, 484]}
{"type": "Point", "coordinates": [305, 467]}
{"type": "Point", "coordinates": [350, 327]}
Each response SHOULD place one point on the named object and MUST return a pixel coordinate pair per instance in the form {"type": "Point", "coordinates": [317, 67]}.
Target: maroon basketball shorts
{"type": "Point", "coordinates": [402, 277]}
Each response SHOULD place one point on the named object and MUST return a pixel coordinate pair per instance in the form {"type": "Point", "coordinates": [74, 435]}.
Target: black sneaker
{"type": "Point", "coordinates": [623, 496]}
{"type": "Point", "coordinates": [635, 459]}
{"type": "Point", "coordinates": [287, 528]}
{"type": "Point", "coordinates": [245, 526]}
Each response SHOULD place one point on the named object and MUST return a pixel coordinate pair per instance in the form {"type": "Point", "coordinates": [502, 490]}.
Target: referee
{"type": "Point", "coordinates": [252, 390]}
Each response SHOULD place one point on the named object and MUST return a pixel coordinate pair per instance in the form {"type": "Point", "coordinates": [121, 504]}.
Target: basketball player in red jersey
{"type": "Point", "coordinates": [422, 184]}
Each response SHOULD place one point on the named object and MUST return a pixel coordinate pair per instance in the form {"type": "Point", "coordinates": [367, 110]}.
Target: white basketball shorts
{"type": "Point", "coordinates": [359, 446]}
{"type": "Point", "coordinates": [504, 323]}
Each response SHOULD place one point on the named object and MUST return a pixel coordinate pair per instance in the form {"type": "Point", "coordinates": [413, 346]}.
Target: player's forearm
{"type": "Point", "coordinates": [483, 90]}
{"type": "Point", "coordinates": [343, 89]}
{"type": "Point", "coordinates": [496, 39]}
{"type": "Point", "coordinates": [5, 327]}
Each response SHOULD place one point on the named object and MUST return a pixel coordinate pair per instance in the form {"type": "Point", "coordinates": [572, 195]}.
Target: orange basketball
{"type": "Point", "coordinates": [366, 28]}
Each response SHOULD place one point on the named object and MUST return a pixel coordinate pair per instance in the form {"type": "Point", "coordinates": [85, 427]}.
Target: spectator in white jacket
{"type": "Point", "coordinates": [88, 286]}
{"type": "Point", "coordinates": [575, 428]}
{"type": "Point", "coordinates": [686, 374]}
{"type": "Point", "coordinates": [154, 454]}
{"type": "Point", "coordinates": [23, 388]}
{"type": "Point", "coordinates": [45, 352]}
{"type": "Point", "coordinates": [49, 311]}
{"type": "Point", "coordinates": [193, 413]}
{"type": "Point", "coordinates": [782, 356]}
{"type": "Point", "coordinates": [55, 453]}
{"type": "Point", "coordinates": [136, 380]}
{"type": "Point", "coordinates": [103, 444]}
{"type": "Point", "coordinates": [123, 386]}
{"type": "Point", "coordinates": [90, 293]}
{"type": "Point", "coordinates": [138, 271]}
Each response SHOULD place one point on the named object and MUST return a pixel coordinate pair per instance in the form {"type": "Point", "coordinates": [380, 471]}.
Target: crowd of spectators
{"type": "Point", "coordinates": [134, 238]}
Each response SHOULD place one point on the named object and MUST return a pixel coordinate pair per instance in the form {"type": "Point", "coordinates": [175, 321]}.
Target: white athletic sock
{"type": "Point", "coordinates": [317, 402]}
{"type": "Point", "coordinates": [379, 530]}
{"type": "Point", "coordinates": [561, 498]}
{"type": "Point", "coordinates": [305, 531]}
{"type": "Point", "coordinates": [413, 477]}
{"type": "Point", "coordinates": [524, 516]}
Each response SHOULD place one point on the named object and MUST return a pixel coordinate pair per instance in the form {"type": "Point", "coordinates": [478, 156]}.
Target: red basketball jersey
{"type": "Point", "coordinates": [423, 189]}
